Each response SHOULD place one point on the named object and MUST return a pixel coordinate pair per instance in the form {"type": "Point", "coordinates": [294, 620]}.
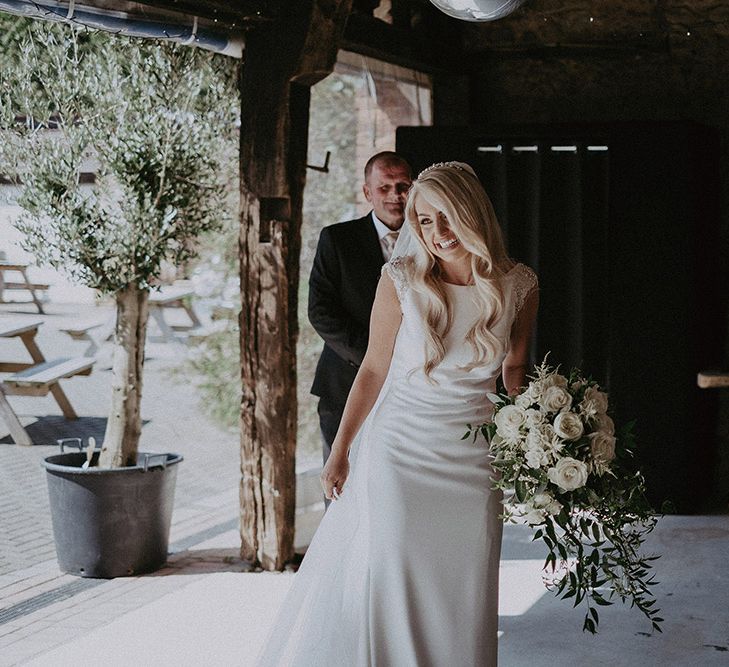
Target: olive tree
{"type": "Point", "coordinates": [154, 118]}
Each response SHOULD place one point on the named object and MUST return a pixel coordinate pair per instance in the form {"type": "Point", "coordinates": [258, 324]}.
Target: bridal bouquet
{"type": "Point", "coordinates": [564, 471]}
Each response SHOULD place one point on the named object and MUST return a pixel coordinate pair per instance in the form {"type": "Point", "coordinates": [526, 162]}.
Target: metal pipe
{"type": "Point", "coordinates": [122, 23]}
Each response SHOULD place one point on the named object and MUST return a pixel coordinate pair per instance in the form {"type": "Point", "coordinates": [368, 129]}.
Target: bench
{"type": "Point", "coordinates": [34, 289]}
{"type": "Point", "coordinates": [38, 380]}
{"type": "Point", "coordinates": [172, 296]}
{"type": "Point", "coordinates": [38, 287]}
{"type": "Point", "coordinates": [93, 332]}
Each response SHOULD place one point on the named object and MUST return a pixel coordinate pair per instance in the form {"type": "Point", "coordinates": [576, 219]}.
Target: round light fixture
{"type": "Point", "coordinates": [478, 10]}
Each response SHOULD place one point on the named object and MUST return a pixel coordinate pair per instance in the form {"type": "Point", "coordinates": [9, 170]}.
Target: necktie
{"type": "Point", "coordinates": [388, 242]}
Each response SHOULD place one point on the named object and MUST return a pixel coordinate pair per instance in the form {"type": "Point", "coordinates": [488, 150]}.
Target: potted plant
{"type": "Point", "coordinates": [155, 119]}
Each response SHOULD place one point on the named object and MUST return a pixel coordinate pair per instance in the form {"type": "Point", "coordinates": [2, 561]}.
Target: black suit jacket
{"type": "Point", "coordinates": [342, 289]}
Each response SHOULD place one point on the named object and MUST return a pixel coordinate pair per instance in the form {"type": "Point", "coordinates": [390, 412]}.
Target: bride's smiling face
{"type": "Point", "coordinates": [437, 234]}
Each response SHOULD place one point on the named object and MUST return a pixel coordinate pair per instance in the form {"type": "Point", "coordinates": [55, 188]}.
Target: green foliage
{"type": "Point", "coordinates": [329, 197]}
{"type": "Point", "coordinates": [214, 365]}
{"type": "Point", "coordinates": [152, 120]}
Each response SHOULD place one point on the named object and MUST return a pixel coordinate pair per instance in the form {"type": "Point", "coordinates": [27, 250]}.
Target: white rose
{"type": "Point", "coordinates": [534, 517]}
{"type": "Point", "coordinates": [509, 420]}
{"type": "Point", "coordinates": [534, 417]}
{"type": "Point", "coordinates": [528, 513]}
{"type": "Point", "coordinates": [602, 446]}
{"type": "Point", "coordinates": [556, 399]}
{"type": "Point", "coordinates": [546, 502]}
{"type": "Point", "coordinates": [536, 458]}
{"type": "Point", "coordinates": [604, 423]}
{"type": "Point", "coordinates": [554, 380]}
{"type": "Point", "coordinates": [568, 425]}
{"type": "Point", "coordinates": [534, 391]}
{"type": "Point", "coordinates": [568, 474]}
{"type": "Point", "coordinates": [542, 499]}
{"type": "Point", "coordinates": [598, 398]}
{"type": "Point", "coordinates": [523, 401]}
{"type": "Point", "coordinates": [555, 507]}
{"type": "Point", "coordinates": [536, 439]}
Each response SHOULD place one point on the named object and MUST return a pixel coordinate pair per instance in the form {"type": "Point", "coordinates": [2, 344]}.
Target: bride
{"type": "Point", "coordinates": [403, 570]}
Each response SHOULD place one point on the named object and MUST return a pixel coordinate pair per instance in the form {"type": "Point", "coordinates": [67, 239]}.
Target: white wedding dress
{"type": "Point", "coordinates": [404, 568]}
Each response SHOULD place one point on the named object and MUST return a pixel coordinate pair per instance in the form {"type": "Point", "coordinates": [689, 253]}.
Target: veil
{"type": "Point", "coordinates": [406, 244]}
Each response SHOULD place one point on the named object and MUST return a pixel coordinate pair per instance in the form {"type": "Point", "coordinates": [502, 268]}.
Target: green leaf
{"type": "Point", "coordinates": [589, 626]}
{"type": "Point", "coordinates": [601, 600]}
{"type": "Point", "coordinates": [549, 527]}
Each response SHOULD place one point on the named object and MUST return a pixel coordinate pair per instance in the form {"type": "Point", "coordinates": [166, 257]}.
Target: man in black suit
{"type": "Point", "coordinates": [347, 265]}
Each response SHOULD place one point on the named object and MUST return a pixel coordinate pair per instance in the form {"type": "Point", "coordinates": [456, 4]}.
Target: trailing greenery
{"type": "Point", "coordinates": [564, 472]}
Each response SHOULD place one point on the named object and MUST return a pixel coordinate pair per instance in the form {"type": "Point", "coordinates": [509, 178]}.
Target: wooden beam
{"type": "Point", "coordinates": [243, 12]}
{"type": "Point", "coordinates": [713, 379]}
{"type": "Point", "coordinates": [421, 37]}
{"type": "Point", "coordinates": [283, 59]}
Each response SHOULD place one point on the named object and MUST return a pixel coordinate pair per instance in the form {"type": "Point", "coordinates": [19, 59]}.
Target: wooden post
{"type": "Point", "coordinates": [282, 60]}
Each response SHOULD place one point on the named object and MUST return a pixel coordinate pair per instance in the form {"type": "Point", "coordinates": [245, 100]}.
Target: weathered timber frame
{"type": "Point", "coordinates": [282, 60]}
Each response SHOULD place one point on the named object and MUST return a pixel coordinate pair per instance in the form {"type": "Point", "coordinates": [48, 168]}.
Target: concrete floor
{"type": "Point", "coordinates": [223, 617]}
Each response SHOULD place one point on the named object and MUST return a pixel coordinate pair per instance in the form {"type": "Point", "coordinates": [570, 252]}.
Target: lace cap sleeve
{"type": "Point", "coordinates": [398, 269]}
{"type": "Point", "coordinates": [526, 283]}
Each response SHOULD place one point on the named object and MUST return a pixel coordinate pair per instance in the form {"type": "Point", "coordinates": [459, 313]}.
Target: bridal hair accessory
{"type": "Point", "coordinates": [438, 165]}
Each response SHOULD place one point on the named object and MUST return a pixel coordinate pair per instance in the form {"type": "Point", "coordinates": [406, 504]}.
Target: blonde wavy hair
{"type": "Point", "coordinates": [454, 190]}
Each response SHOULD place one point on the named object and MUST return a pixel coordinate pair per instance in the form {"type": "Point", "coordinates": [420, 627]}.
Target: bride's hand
{"type": "Point", "coordinates": [334, 475]}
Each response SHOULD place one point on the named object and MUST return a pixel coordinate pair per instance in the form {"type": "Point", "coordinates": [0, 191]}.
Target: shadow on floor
{"type": "Point", "coordinates": [204, 561]}
{"type": "Point", "coordinates": [47, 430]}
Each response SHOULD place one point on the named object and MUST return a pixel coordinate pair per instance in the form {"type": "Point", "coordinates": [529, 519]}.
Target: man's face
{"type": "Point", "coordinates": [386, 189]}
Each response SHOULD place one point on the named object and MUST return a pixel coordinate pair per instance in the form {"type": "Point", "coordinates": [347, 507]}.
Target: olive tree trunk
{"type": "Point", "coordinates": [124, 426]}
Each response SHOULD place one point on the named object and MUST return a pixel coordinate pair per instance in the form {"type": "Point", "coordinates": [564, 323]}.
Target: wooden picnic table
{"type": "Point", "coordinates": [172, 296]}
{"type": "Point", "coordinates": [36, 378]}
{"type": "Point", "coordinates": [20, 284]}
{"type": "Point", "coordinates": [168, 297]}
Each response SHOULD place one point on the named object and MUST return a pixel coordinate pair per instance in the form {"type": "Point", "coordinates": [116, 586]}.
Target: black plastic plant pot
{"type": "Point", "coordinates": [111, 522]}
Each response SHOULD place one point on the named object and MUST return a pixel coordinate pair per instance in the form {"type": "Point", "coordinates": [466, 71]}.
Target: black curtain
{"type": "Point", "coordinates": [552, 202]}
{"type": "Point", "coordinates": [620, 222]}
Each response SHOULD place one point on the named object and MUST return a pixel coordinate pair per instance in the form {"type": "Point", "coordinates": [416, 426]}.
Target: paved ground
{"type": "Point", "coordinates": [205, 608]}
{"type": "Point", "coordinates": [34, 595]}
